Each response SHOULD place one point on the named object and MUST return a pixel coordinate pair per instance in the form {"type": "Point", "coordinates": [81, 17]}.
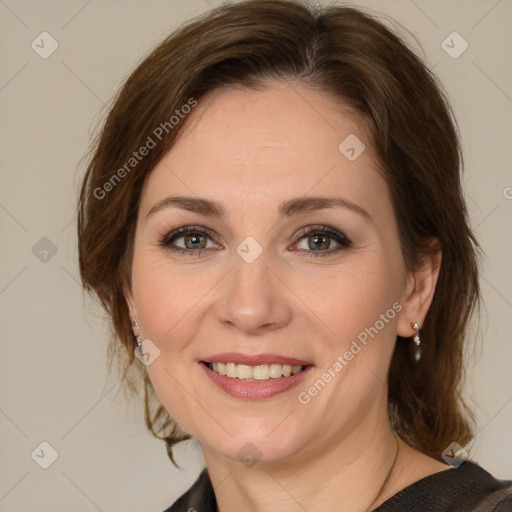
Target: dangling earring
{"type": "Point", "coordinates": [138, 336]}
{"type": "Point", "coordinates": [417, 341]}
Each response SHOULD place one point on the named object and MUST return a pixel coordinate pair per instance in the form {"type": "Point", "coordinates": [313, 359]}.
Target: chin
{"type": "Point", "coordinates": [262, 444]}
{"type": "Point", "coordinates": [250, 452]}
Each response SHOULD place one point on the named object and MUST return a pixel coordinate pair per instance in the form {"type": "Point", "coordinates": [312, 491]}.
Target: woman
{"type": "Point", "coordinates": [273, 218]}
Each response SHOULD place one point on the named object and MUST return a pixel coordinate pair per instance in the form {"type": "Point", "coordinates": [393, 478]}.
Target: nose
{"type": "Point", "coordinates": [256, 300]}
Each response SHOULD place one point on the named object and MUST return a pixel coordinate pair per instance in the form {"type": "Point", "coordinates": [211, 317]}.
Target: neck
{"type": "Point", "coordinates": [355, 474]}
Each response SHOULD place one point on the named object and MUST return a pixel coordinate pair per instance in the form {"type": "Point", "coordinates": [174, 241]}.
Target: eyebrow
{"type": "Point", "coordinates": [288, 208]}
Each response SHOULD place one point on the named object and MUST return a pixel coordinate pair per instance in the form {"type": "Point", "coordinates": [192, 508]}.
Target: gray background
{"type": "Point", "coordinates": [54, 385]}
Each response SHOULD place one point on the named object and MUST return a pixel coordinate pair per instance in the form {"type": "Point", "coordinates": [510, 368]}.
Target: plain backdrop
{"type": "Point", "coordinates": [54, 384]}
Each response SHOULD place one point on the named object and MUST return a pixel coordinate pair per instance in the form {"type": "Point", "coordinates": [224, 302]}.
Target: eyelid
{"type": "Point", "coordinates": [323, 229]}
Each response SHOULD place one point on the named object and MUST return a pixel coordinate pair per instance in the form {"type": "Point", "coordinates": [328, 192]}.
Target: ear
{"type": "Point", "coordinates": [419, 291]}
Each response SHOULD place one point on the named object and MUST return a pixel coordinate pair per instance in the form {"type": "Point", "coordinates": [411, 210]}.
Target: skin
{"type": "Point", "coordinates": [250, 150]}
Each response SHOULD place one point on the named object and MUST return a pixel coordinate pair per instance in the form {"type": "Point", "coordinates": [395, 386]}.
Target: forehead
{"type": "Point", "coordinates": [283, 140]}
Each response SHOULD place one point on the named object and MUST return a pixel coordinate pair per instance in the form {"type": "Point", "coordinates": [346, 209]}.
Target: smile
{"type": "Point", "coordinates": [260, 372]}
{"type": "Point", "coordinates": [255, 382]}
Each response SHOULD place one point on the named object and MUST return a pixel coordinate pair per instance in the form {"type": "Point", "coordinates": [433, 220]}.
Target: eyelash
{"type": "Point", "coordinates": [342, 240]}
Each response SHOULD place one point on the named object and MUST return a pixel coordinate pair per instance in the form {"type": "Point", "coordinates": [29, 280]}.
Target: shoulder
{"type": "Point", "coordinates": [199, 498]}
{"type": "Point", "coordinates": [468, 488]}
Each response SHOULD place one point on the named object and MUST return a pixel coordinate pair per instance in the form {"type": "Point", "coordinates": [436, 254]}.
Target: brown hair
{"type": "Point", "coordinates": [351, 56]}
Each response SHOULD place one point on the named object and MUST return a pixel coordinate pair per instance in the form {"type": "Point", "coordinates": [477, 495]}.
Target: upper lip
{"type": "Point", "coordinates": [254, 360]}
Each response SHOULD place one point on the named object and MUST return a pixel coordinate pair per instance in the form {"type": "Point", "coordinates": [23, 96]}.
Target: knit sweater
{"type": "Point", "coordinates": [468, 488]}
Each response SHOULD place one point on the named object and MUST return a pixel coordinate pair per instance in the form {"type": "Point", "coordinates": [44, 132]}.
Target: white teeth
{"type": "Point", "coordinates": [276, 370]}
{"type": "Point", "coordinates": [260, 372]}
{"type": "Point", "coordinates": [243, 371]}
{"type": "Point", "coordinates": [230, 370]}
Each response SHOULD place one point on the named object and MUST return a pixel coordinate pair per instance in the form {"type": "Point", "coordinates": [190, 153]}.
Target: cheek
{"type": "Point", "coordinates": [168, 303]}
{"type": "Point", "coordinates": [359, 306]}
{"type": "Point", "coordinates": [174, 303]}
{"type": "Point", "coordinates": [164, 299]}
{"type": "Point", "coordinates": [352, 298]}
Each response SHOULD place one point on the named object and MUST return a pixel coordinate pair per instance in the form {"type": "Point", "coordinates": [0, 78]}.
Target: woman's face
{"type": "Point", "coordinates": [254, 283]}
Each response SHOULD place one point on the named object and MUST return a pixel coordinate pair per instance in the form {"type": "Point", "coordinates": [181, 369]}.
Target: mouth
{"type": "Point", "coordinates": [263, 379]}
{"type": "Point", "coordinates": [261, 373]}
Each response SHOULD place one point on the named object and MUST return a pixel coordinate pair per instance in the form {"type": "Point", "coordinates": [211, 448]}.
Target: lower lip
{"type": "Point", "coordinates": [255, 390]}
